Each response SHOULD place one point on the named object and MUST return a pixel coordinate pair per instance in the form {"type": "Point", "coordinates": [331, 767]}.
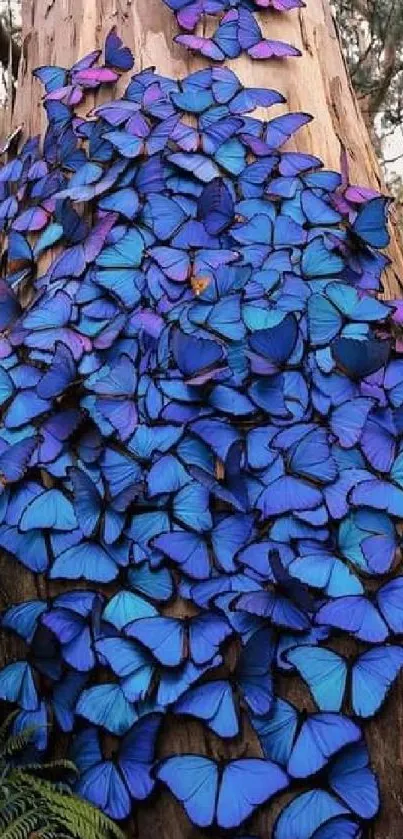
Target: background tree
{"type": "Point", "coordinates": [371, 34]}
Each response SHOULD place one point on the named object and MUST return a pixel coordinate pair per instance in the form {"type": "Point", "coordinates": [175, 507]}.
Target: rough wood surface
{"type": "Point", "coordinates": [58, 32]}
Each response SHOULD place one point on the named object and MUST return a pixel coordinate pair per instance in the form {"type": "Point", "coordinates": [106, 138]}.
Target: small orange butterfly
{"type": "Point", "coordinates": [199, 284]}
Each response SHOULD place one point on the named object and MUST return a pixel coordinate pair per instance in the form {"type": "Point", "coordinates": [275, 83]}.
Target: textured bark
{"type": "Point", "coordinates": [58, 32]}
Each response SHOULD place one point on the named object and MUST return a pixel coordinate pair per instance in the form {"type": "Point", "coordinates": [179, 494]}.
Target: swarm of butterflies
{"type": "Point", "coordinates": [238, 30]}
{"type": "Point", "coordinates": [202, 407]}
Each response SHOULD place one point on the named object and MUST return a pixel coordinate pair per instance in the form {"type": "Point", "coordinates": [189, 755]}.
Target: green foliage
{"type": "Point", "coordinates": [36, 801]}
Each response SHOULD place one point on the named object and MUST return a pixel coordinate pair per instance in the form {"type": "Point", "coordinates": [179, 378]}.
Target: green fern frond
{"type": "Point", "coordinates": [6, 725]}
{"type": "Point", "coordinates": [16, 744]}
{"type": "Point", "coordinates": [62, 766]}
{"type": "Point", "coordinates": [35, 804]}
{"type": "Point", "coordinates": [82, 819]}
{"type": "Point", "coordinates": [23, 826]}
{"type": "Point", "coordinates": [11, 807]}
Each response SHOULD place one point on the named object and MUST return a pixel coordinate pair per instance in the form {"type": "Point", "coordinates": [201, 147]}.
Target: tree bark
{"type": "Point", "coordinates": [58, 32]}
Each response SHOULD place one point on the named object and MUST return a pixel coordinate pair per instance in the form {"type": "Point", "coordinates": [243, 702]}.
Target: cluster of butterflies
{"type": "Point", "coordinates": [238, 30]}
{"type": "Point", "coordinates": [202, 404]}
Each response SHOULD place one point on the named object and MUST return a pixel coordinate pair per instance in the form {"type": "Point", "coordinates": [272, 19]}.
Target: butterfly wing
{"type": "Point", "coordinates": [193, 780]}
{"type": "Point", "coordinates": [88, 561]}
{"type": "Point", "coordinates": [354, 782]}
{"type": "Point", "coordinates": [307, 813]}
{"type": "Point", "coordinates": [125, 607]}
{"type": "Point", "coordinates": [389, 599]}
{"type": "Point", "coordinates": [216, 206]}
{"type": "Point", "coordinates": [106, 706]}
{"type": "Point", "coordinates": [213, 703]}
{"type": "Point", "coordinates": [206, 634]}
{"type": "Point", "coordinates": [370, 223]}
{"type": "Point", "coordinates": [276, 731]}
{"type": "Point", "coordinates": [23, 618]}
{"type": "Point", "coordinates": [116, 54]}
{"type": "Point", "coordinates": [355, 614]}
{"type": "Point", "coordinates": [64, 699]}
{"type": "Point", "coordinates": [74, 636]}
{"type": "Point", "coordinates": [60, 374]}
{"type": "Point", "coordinates": [156, 584]}
{"type": "Point", "coordinates": [15, 459]}
{"type": "Point", "coordinates": [136, 756]}
{"type": "Point", "coordinates": [133, 665]}
{"type": "Point", "coordinates": [188, 550]}
{"type": "Point", "coordinates": [254, 672]}
{"type": "Point", "coordinates": [103, 786]}
{"type": "Point", "coordinates": [87, 501]}
{"type": "Point", "coordinates": [320, 737]}
{"type": "Point", "coordinates": [325, 673]}
{"type": "Point", "coordinates": [49, 510]}
{"type": "Point", "coordinates": [163, 636]}
{"type": "Point", "coordinates": [339, 828]}
{"type": "Point", "coordinates": [17, 685]}
{"type": "Point", "coordinates": [245, 785]}
{"type": "Point", "coordinates": [373, 674]}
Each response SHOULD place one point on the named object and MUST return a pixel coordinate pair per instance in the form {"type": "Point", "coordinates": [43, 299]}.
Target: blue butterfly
{"type": "Point", "coordinates": [106, 705]}
{"type": "Point", "coordinates": [360, 358]}
{"type": "Point", "coordinates": [89, 509]}
{"type": "Point", "coordinates": [116, 54]}
{"type": "Point", "coordinates": [134, 667]}
{"type": "Point", "coordinates": [276, 608]}
{"type": "Point", "coordinates": [370, 223]}
{"type": "Point", "coordinates": [325, 672]}
{"type": "Point", "coordinates": [60, 374]}
{"type": "Point", "coordinates": [357, 615]}
{"type": "Point", "coordinates": [319, 261]}
{"type": "Point", "coordinates": [166, 215]}
{"type": "Point", "coordinates": [193, 355]}
{"type": "Point", "coordinates": [74, 619]}
{"type": "Point", "coordinates": [216, 206]}
{"type": "Point", "coordinates": [214, 704]}
{"type": "Point", "coordinates": [225, 797]}
{"type": "Point", "coordinates": [168, 638]}
{"type": "Point", "coordinates": [111, 785]}
{"type": "Point", "coordinates": [276, 344]}
{"type": "Point", "coordinates": [367, 538]}
{"type": "Point", "coordinates": [188, 550]}
{"type": "Point", "coordinates": [123, 201]}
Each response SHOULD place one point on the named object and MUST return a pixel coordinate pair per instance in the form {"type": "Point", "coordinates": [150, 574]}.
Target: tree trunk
{"type": "Point", "coordinates": [58, 32]}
